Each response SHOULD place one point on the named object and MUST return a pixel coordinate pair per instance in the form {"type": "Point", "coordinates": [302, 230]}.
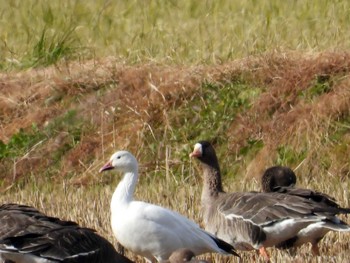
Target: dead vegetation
{"type": "Point", "coordinates": [289, 112]}
{"type": "Point", "coordinates": [302, 99]}
{"type": "Point", "coordinates": [61, 123]}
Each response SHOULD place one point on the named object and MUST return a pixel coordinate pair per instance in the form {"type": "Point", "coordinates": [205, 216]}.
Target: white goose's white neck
{"type": "Point", "coordinates": [124, 192]}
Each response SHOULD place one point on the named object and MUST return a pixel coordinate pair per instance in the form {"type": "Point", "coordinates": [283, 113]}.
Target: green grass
{"type": "Point", "coordinates": [288, 156]}
{"type": "Point", "coordinates": [51, 48]}
{"type": "Point", "coordinates": [322, 84]}
{"type": "Point", "coordinates": [41, 33]}
{"type": "Point", "coordinates": [213, 110]}
{"type": "Point", "coordinates": [35, 33]}
{"type": "Point", "coordinates": [205, 115]}
{"type": "Point", "coordinates": [21, 142]}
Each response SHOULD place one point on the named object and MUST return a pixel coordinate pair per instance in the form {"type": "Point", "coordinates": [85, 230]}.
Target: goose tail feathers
{"type": "Point", "coordinates": [226, 247]}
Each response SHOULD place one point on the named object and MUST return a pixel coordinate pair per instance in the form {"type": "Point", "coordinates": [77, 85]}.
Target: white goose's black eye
{"type": "Point", "coordinates": [118, 157]}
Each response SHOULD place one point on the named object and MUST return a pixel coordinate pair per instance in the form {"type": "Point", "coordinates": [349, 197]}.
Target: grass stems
{"type": "Point", "coordinates": [43, 32]}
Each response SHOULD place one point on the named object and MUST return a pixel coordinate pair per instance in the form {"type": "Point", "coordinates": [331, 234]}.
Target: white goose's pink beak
{"type": "Point", "coordinates": [107, 166]}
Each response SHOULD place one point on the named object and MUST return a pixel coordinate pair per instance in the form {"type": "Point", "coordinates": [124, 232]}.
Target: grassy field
{"type": "Point", "coordinates": [37, 33]}
{"type": "Point", "coordinates": [265, 81]}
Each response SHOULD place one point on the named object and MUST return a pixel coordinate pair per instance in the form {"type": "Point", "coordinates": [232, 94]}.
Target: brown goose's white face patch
{"type": "Point", "coordinates": [197, 151]}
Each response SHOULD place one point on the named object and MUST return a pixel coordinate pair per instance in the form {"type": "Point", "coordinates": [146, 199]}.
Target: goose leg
{"type": "Point", "coordinates": [315, 249]}
{"type": "Point", "coordinates": [264, 254]}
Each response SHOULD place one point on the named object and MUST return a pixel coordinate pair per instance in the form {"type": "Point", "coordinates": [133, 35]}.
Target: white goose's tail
{"type": "Point", "coordinates": [226, 247]}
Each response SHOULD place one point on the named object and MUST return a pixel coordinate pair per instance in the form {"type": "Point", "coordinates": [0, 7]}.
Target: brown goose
{"type": "Point", "coordinates": [29, 236]}
{"type": "Point", "coordinates": [282, 179]}
{"type": "Point", "coordinates": [251, 220]}
{"type": "Point", "coordinates": [185, 255]}
{"type": "Point", "coordinates": [277, 176]}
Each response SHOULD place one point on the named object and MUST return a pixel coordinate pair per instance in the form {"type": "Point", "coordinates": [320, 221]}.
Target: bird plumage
{"type": "Point", "coordinates": [253, 220]}
{"type": "Point", "coordinates": [282, 179]}
{"type": "Point", "coordinates": [149, 230]}
{"type": "Point", "coordinates": [28, 235]}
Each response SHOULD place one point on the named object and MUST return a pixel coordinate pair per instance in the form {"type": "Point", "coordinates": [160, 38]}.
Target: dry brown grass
{"type": "Point", "coordinates": [135, 108]}
{"type": "Point", "coordinates": [90, 207]}
{"type": "Point", "coordinates": [282, 116]}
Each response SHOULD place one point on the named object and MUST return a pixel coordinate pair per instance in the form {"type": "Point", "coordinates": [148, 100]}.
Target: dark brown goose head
{"type": "Point", "coordinates": [205, 153]}
{"type": "Point", "coordinates": [277, 176]}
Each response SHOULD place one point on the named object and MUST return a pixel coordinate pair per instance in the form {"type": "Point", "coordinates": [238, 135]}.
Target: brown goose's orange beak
{"type": "Point", "coordinates": [196, 153]}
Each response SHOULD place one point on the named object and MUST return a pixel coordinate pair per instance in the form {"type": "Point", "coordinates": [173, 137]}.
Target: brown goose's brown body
{"type": "Point", "coordinates": [281, 179]}
{"type": "Point", "coordinates": [253, 220]}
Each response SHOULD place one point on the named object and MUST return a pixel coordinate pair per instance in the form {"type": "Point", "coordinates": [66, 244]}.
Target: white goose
{"type": "Point", "coordinates": [252, 220]}
{"type": "Point", "coordinates": [281, 179]}
{"type": "Point", "coordinates": [152, 231]}
{"type": "Point", "coordinates": [29, 236]}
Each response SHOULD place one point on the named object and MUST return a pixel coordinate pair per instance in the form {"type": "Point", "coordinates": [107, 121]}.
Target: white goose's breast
{"type": "Point", "coordinates": [133, 232]}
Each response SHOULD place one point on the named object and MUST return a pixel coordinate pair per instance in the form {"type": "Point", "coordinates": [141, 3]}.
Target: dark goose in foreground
{"type": "Point", "coordinates": [281, 179]}
{"type": "Point", "coordinates": [29, 236]}
{"type": "Point", "coordinates": [252, 220]}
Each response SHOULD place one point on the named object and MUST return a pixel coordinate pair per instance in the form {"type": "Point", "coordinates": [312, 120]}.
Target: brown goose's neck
{"type": "Point", "coordinates": [212, 186]}
{"type": "Point", "coordinates": [267, 183]}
